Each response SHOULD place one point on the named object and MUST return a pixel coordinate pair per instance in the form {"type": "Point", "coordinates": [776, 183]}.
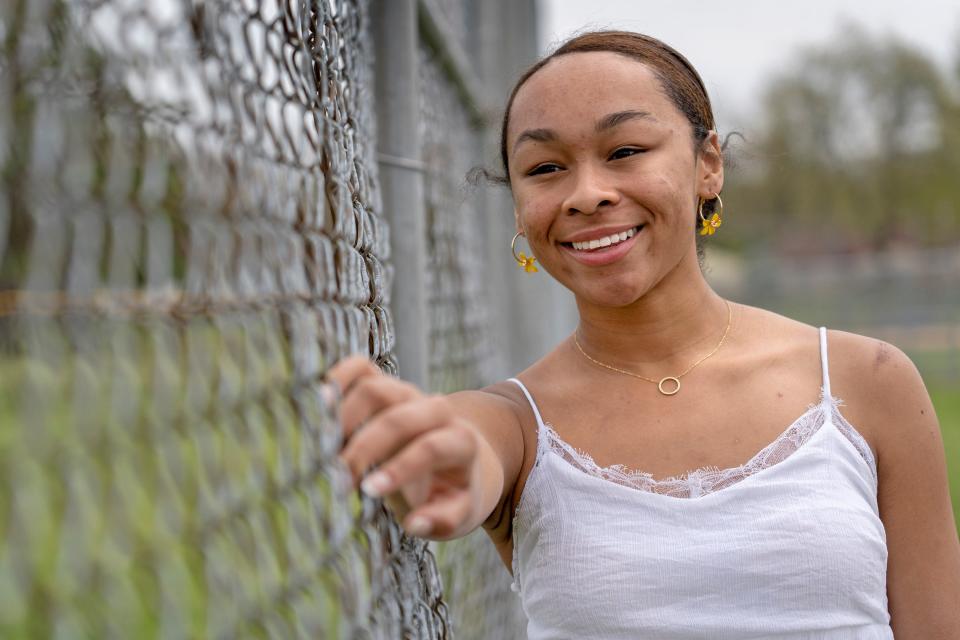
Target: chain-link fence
{"type": "Point", "coordinates": [191, 231]}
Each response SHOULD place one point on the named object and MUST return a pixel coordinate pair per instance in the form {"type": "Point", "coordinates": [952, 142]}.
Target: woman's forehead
{"type": "Point", "coordinates": [588, 85]}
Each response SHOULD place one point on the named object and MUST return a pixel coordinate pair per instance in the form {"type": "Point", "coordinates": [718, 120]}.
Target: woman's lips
{"type": "Point", "coordinates": [602, 255]}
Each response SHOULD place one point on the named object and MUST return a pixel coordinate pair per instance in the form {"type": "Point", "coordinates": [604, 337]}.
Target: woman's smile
{"type": "Point", "coordinates": [598, 247]}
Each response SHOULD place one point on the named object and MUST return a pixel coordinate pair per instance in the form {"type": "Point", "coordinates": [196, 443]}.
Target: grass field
{"type": "Point", "coordinates": [939, 370]}
{"type": "Point", "coordinates": [947, 402]}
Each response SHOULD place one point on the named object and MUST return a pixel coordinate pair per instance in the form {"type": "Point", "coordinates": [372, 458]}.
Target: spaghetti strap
{"type": "Point", "coordinates": [533, 405]}
{"type": "Point", "coordinates": [824, 363]}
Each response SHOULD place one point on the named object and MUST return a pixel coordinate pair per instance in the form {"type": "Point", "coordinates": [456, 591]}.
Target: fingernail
{"type": "Point", "coordinates": [376, 484]}
{"type": "Point", "coordinates": [418, 526]}
{"type": "Point", "coordinates": [330, 393]}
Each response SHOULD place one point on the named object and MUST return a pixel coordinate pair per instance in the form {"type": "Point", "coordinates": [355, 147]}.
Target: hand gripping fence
{"type": "Point", "coordinates": [190, 233]}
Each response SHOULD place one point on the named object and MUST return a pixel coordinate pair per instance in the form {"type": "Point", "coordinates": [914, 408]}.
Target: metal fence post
{"type": "Point", "coordinates": [531, 312]}
{"type": "Point", "coordinates": [401, 178]}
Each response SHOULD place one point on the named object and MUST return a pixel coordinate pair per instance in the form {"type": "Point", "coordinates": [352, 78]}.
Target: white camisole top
{"type": "Point", "coordinates": [787, 546]}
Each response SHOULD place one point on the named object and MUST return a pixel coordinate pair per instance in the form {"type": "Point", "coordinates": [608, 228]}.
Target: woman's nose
{"type": "Point", "coordinates": [591, 191]}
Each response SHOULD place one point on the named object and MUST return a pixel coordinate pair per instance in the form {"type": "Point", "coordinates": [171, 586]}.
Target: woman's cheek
{"type": "Point", "coordinates": [535, 218]}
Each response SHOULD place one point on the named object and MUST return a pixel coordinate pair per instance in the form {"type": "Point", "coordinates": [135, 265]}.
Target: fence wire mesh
{"type": "Point", "coordinates": [190, 232]}
{"type": "Point", "coordinates": [462, 347]}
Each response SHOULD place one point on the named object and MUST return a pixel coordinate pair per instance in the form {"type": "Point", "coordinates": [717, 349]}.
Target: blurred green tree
{"type": "Point", "coordinates": [858, 147]}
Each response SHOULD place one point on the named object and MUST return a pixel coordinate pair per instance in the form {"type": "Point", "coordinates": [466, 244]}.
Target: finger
{"type": "Point", "coordinates": [441, 518]}
{"type": "Point", "coordinates": [370, 395]}
{"type": "Point", "coordinates": [390, 430]}
{"type": "Point", "coordinates": [348, 371]}
{"type": "Point", "coordinates": [435, 451]}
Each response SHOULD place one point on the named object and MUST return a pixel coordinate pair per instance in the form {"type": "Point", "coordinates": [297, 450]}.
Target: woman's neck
{"type": "Point", "coordinates": [661, 331]}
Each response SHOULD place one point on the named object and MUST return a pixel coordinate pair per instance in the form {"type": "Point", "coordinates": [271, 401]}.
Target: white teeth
{"type": "Point", "coordinates": [615, 238]}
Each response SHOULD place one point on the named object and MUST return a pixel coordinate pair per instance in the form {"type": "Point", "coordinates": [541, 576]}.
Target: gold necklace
{"type": "Point", "coordinates": [666, 379]}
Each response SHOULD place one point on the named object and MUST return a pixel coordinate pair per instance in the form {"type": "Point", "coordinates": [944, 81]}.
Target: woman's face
{"type": "Point", "coordinates": [598, 152]}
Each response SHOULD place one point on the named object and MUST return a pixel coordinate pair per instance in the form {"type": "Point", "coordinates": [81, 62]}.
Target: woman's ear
{"type": "Point", "coordinates": [516, 221]}
{"type": "Point", "coordinates": [710, 167]}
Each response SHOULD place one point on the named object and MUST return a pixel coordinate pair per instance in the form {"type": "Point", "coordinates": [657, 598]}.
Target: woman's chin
{"type": "Point", "coordinates": [613, 295]}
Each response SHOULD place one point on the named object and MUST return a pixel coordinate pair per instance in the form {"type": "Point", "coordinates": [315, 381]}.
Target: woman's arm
{"type": "Point", "coordinates": [443, 462]}
{"type": "Point", "coordinates": [923, 568]}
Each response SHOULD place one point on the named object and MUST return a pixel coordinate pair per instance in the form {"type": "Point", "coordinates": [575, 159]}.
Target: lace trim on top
{"type": "Point", "coordinates": [851, 434]}
{"type": "Point", "coordinates": [704, 480]}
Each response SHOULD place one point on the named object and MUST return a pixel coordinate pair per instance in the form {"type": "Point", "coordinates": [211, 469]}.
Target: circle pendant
{"type": "Point", "coordinates": [672, 391]}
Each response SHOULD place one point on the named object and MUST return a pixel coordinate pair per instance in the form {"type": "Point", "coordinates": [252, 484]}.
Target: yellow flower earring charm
{"type": "Point", "coordinates": [711, 224]}
{"type": "Point", "coordinates": [524, 261]}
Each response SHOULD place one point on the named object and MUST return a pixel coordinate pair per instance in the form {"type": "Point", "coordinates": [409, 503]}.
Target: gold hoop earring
{"type": "Point", "coordinates": [710, 226]}
{"type": "Point", "coordinates": [524, 261]}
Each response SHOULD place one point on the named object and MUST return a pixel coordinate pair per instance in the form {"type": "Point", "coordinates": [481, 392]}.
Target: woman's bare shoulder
{"type": "Point", "coordinates": [872, 371]}
{"type": "Point", "coordinates": [851, 355]}
{"type": "Point", "coordinates": [873, 378]}
{"type": "Point", "coordinates": [498, 400]}
{"type": "Point", "coordinates": [870, 375]}
{"type": "Point", "coordinates": [883, 394]}
{"type": "Point", "coordinates": [880, 390]}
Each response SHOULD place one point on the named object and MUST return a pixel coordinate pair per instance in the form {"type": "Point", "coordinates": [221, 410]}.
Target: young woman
{"type": "Point", "coordinates": [761, 510]}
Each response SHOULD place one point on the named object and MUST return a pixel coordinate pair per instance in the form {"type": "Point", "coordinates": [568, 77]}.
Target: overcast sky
{"type": "Point", "coordinates": [736, 44]}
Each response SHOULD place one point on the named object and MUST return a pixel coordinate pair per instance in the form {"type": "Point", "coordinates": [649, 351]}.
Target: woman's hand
{"type": "Point", "coordinates": [427, 458]}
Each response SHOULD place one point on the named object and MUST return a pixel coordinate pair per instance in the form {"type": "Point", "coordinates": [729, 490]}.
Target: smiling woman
{"type": "Point", "coordinates": [685, 470]}
{"type": "Point", "coordinates": [675, 76]}
{"type": "Point", "coordinates": [617, 139]}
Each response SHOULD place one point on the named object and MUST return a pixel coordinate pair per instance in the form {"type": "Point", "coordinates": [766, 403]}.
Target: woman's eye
{"type": "Point", "coordinates": [542, 169]}
{"type": "Point", "coordinates": [625, 152]}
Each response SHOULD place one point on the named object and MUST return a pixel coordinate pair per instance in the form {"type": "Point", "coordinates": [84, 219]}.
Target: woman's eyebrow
{"type": "Point", "coordinates": [537, 135]}
{"type": "Point", "coordinates": [612, 120]}
{"type": "Point", "coordinates": [607, 122]}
